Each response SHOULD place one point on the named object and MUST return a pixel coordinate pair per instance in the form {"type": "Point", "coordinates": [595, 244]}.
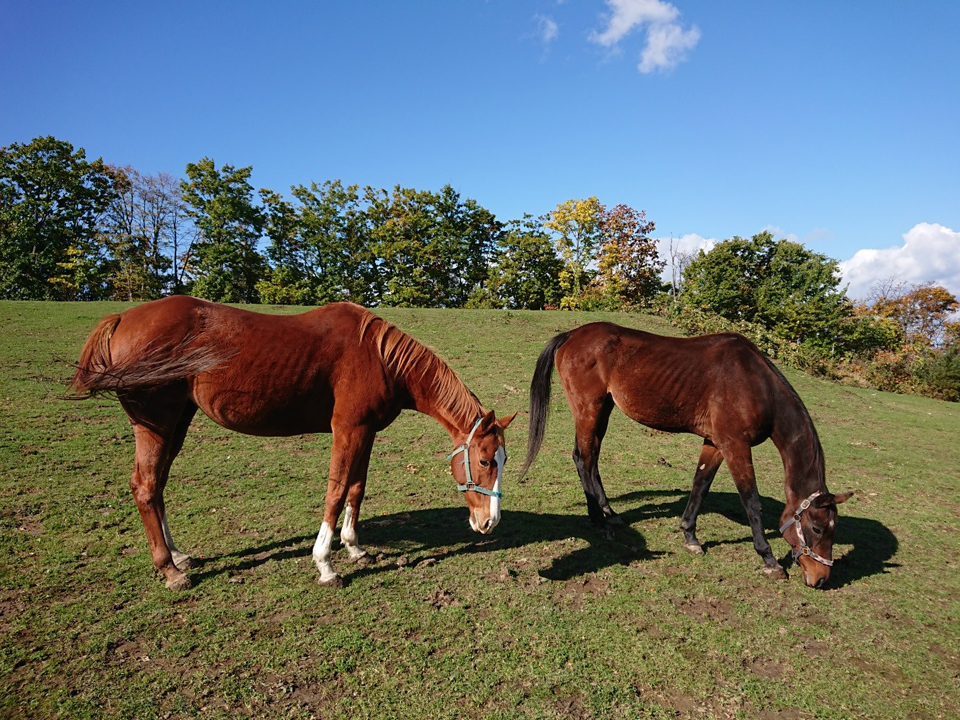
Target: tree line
{"type": "Point", "coordinates": [75, 229]}
{"type": "Point", "coordinates": [79, 229]}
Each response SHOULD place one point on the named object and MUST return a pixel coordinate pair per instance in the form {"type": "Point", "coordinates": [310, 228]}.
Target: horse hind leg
{"type": "Point", "coordinates": [159, 435]}
{"type": "Point", "coordinates": [183, 561]}
{"type": "Point", "coordinates": [591, 426]}
{"type": "Point", "coordinates": [707, 466]}
{"type": "Point", "coordinates": [180, 559]}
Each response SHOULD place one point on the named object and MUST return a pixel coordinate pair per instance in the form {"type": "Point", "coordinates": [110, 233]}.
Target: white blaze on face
{"type": "Point", "coordinates": [500, 458]}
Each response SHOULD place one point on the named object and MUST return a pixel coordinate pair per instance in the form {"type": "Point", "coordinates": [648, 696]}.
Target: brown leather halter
{"type": "Point", "coordinates": [804, 548]}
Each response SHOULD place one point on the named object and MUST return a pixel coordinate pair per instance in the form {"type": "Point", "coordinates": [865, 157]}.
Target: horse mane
{"type": "Point", "coordinates": [403, 355]}
{"type": "Point", "coordinates": [818, 457]}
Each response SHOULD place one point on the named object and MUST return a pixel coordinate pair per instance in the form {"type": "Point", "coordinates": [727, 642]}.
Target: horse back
{"type": "Point", "coordinates": [260, 374]}
{"type": "Point", "coordinates": [701, 384]}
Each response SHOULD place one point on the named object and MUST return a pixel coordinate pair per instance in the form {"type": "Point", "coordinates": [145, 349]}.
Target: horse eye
{"type": "Point", "coordinates": [484, 463]}
{"type": "Point", "coordinates": [818, 530]}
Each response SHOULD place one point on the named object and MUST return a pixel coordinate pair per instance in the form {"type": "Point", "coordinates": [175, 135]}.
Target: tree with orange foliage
{"type": "Point", "coordinates": [922, 312]}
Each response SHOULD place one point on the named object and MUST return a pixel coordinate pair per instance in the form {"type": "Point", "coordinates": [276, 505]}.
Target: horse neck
{"type": "Point", "coordinates": [438, 392]}
{"type": "Point", "coordinates": [796, 439]}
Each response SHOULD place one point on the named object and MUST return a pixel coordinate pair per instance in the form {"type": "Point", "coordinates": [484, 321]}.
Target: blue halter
{"type": "Point", "coordinates": [470, 485]}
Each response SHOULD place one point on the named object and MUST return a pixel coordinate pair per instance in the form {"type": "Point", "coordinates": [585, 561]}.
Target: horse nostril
{"type": "Point", "coordinates": [821, 581]}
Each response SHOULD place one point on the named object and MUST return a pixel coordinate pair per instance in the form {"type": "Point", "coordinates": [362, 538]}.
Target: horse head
{"type": "Point", "coordinates": [477, 466]}
{"type": "Point", "coordinates": [813, 523]}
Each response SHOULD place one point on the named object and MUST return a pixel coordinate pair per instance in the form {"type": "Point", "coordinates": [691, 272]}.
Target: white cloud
{"type": "Point", "coordinates": [814, 236]}
{"type": "Point", "coordinates": [930, 253]}
{"type": "Point", "coordinates": [547, 28]}
{"type": "Point", "coordinates": [667, 43]}
{"type": "Point", "coordinates": [628, 14]}
{"type": "Point", "coordinates": [678, 252]}
{"type": "Point", "coordinates": [667, 46]}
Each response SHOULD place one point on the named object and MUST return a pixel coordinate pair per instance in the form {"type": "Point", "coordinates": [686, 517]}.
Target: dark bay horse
{"type": "Point", "coordinates": [337, 368]}
{"type": "Point", "coordinates": [720, 387]}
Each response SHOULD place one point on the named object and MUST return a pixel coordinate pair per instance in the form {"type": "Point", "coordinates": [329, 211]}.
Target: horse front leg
{"type": "Point", "coordinates": [707, 466]}
{"type": "Point", "coordinates": [348, 464]}
{"type": "Point", "coordinates": [740, 462]}
{"type": "Point", "coordinates": [348, 533]}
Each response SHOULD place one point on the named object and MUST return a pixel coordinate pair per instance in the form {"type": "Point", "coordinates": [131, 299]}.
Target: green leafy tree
{"type": "Point", "coordinates": [432, 249]}
{"type": "Point", "coordinates": [335, 236]}
{"type": "Point", "coordinates": [577, 225]}
{"type": "Point", "coordinates": [285, 281]}
{"type": "Point", "coordinates": [463, 243]}
{"type": "Point", "coordinates": [51, 201]}
{"type": "Point", "coordinates": [319, 251]}
{"type": "Point", "coordinates": [399, 226]}
{"type": "Point", "coordinates": [224, 260]}
{"type": "Point", "coordinates": [526, 270]}
{"type": "Point", "coordinates": [779, 285]}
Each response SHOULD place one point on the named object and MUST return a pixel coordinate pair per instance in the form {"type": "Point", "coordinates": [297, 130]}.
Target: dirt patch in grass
{"type": "Point", "coordinates": [576, 590]}
{"type": "Point", "coordinates": [441, 598]}
{"type": "Point", "coordinates": [768, 669]}
{"type": "Point", "coordinates": [711, 609]}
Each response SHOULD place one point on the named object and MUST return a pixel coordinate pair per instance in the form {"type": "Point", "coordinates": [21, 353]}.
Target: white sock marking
{"type": "Point", "coordinates": [178, 557]}
{"type": "Point", "coordinates": [348, 535]}
{"type": "Point", "coordinates": [322, 549]}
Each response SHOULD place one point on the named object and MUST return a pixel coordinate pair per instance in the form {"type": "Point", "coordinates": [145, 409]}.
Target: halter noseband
{"type": "Point", "coordinates": [470, 485]}
{"type": "Point", "coordinates": [804, 548]}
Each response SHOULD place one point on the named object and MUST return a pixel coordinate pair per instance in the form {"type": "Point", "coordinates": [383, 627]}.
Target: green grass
{"type": "Point", "coordinates": [545, 618]}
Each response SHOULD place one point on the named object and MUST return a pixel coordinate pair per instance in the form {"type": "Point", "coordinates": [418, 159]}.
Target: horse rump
{"type": "Point", "coordinates": [97, 372]}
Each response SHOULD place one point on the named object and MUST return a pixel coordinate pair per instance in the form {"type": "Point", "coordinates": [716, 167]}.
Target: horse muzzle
{"type": "Point", "coordinates": [484, 526]}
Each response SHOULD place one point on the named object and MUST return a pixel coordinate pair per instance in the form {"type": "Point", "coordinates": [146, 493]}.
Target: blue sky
{"type": "Point", "coordinates": [833, 124]}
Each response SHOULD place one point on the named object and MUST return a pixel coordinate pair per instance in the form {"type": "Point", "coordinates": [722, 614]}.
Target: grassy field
{"type": "Point", "coordinates": [545, 618]}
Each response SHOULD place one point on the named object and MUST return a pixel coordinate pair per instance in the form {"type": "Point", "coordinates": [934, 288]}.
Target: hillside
{"type": "Point", "coordinates": [547, 617]}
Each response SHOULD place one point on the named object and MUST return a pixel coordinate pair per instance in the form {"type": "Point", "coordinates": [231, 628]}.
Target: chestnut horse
{"type": "Point", "coordinates": [337, 368]}
{"type": "Point", "coordinates": [720, 387]}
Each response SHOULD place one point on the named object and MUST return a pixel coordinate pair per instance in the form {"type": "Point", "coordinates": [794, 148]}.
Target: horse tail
{"type": "Point", "coordinates": [95, 361]}
{"type": "Point", "coordinates": [540, 399]}
{"type": "Point", "coordinates": [98, 372]}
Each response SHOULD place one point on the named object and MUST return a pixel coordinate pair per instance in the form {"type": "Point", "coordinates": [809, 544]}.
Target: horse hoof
{"type": "Point", "coordinates": [615, 520]}
{"type": "Point", "coordinates": [695, 548]}
{"type": "Point", "coordinates": [179, 583]}
{"type": "Point", "coordinates": [775, 573]}
{"type": "Point", "coordinates": [182, 562]}
{"type": "Point", "coordinates": [335, 582]}
{"type": "Point", "coordinates": [364, 560]}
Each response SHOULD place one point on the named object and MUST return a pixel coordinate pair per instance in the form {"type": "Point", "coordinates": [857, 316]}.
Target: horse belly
{"type": "Point", "coordinates": [652, 412]}
{"type": "Point", "coordinates": [265, 400]}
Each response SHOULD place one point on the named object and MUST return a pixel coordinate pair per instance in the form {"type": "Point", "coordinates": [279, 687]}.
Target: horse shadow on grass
{"type": "Point", "coordinates": [874, 545]}
{"type": "Point", "coordinates": [437, 534]}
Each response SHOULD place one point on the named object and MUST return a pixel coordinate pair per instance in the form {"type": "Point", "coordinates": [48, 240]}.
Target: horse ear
{"type": "Point", "coordinates": [487, 421]}
{"type": "Point", "coordinates": [504, 422]}
{"type": "Point", "coordinates": [827, 499]}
